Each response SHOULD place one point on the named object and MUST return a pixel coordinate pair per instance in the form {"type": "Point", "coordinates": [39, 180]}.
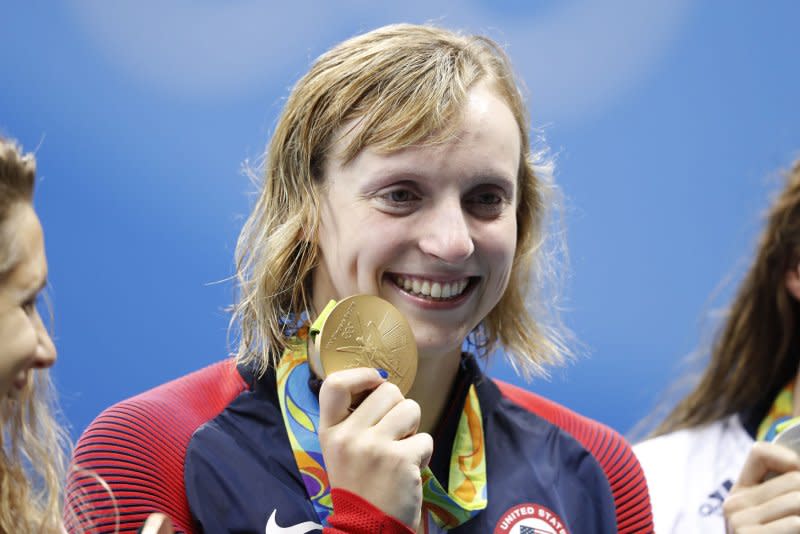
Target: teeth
{"type": "Point", "coordinates": [426, 288]}
{"type": "Point", "coordinates": [432, 289]}
{"type": "Point", "coordinates": [436, 290]}
{"type": "Point", "coordinates": [446, 293]}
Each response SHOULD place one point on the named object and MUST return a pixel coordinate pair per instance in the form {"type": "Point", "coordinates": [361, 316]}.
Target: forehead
{"type": "Point", "coordinates": [486, 129]}
{"type": "Point", "coordinates": [30, 268]}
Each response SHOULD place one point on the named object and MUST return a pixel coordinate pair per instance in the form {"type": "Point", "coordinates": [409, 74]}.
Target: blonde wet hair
{"type": "Point", "coordinates": [406, 85]}
{"type": "Point", "coordinates": [32, 444]}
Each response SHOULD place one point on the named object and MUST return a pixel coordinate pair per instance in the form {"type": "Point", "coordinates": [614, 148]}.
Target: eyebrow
{"type": "Point", "coordinates": [401, 173]}
{"type": "Point", "coordinates": [498, 178]}
{"type": "Point", "coordinates": [507, 184]}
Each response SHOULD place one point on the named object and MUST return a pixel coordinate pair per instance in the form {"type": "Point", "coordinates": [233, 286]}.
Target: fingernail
{"type": "Point", "coordinates": [384, 373]}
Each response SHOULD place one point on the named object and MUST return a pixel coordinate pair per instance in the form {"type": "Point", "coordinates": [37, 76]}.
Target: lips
{"type": "Point", "coordinates": [432, 289]}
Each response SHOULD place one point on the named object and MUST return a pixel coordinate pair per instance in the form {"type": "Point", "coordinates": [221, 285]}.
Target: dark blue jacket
{"type": "Point", "coordinates": [211, 450]}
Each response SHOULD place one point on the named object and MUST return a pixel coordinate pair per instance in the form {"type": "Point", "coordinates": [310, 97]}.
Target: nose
{"type": "Point", "coordinates": [446, 234]}
{"type": "Point", "coordinates": [45, 355]}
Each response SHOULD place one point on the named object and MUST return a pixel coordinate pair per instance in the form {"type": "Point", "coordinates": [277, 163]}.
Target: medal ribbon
{"type": "Point", "coordinates": [300, 410]}
{"type": "Point", "coordinates": [780, 412]}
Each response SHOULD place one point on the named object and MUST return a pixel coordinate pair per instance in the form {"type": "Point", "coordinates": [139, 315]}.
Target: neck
{"type": "Point", "coordinates": [432, 385]}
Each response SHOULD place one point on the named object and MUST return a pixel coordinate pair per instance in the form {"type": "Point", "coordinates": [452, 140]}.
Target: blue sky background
{"type": "Point", "coordinates": [669, 120]}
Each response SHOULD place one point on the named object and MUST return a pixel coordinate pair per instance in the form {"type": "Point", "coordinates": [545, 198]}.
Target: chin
{"type": "Point", "coordinates": [435, 341]}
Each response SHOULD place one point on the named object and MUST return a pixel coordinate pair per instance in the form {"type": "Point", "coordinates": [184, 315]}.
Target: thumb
{"type": "Point", "coordinates": [338, 391]}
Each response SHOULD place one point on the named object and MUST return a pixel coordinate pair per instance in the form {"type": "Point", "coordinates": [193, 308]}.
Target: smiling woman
{"type": "Point", "coordinates": [399, 177]}
{"type": "Point", "coordinates": [30, 435]}
{"type": "Point", "coordinates": [714, 461]}
{"type": "Point", "coordinates": [32, 462]}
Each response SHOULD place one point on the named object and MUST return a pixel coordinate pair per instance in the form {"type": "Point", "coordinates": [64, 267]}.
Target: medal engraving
{"type": "Point", "coordinates": [366, 331]}
{"type": "Point", "coordinates": [344, 330]}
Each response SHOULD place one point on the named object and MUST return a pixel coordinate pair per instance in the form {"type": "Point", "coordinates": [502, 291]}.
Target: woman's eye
{"type": "Point", "coordinates": [400, 196]}
{"type": "Point", "coordinates": [488, 198]}
{"type": "Point", "coordinates": [29, 306]}
{"type": "Point", "coordinates": [487, 204]}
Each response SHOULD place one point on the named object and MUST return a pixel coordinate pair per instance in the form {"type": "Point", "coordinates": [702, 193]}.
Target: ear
{"type": "Point", "coordinates": [793, 282]}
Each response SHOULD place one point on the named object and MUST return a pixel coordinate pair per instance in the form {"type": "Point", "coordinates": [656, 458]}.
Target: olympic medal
{"type": "Point", "coordinates": [364, 331]}
{"type": "Point", "coordinates": [789, 435]}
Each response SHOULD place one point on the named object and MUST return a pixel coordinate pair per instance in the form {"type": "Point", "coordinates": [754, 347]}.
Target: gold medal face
{"type": "Point", "coordinates": [367, 331]}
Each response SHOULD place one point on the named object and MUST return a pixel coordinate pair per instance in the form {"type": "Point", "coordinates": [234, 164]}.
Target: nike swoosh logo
{"type": "Point", "coordinates": [301, 528]}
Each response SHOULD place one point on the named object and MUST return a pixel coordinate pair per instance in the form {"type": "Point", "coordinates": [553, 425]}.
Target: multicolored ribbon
{"type": "Point", "coordinates": [467, 477]}
{"type": "Point", "coordinates": [300, 409]}
{"type": "Point", "coordinates": [780, 412]}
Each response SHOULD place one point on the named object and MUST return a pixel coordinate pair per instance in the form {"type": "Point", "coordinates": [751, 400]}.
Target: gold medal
{"type": "Point", "coordinates": [363, 331]}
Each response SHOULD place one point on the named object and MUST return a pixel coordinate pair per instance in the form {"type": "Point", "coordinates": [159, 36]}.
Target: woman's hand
{"type": "Point", "coordinates": [375, 451]}
{"type": "Point", "coordinates": [759, 503]}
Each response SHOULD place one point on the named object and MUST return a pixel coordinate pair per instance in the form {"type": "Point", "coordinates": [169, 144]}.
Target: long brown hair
{"type": "Point", "coordinates": [31, 442]}
{"type": "Point", "coordinates": [758, 349]}
{"type": "Point", "coordinates": [406, 85]}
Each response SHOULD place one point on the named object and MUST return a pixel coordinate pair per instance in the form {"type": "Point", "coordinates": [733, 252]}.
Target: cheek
{"type": "Point", "coordinates": [343, 231]}
{"type": "Point", "coordinates": [344, 247]}
{"type": "Point", "coordinates": [385, 246]}
{"type": "Point", "coordinates": [501, 241]}
{"type": "Point", "coordinates": [18, 342]}
{"type": "Point", "coordinates": [500, 248]}
{"type": "Point", "coordinates": [330, 246]}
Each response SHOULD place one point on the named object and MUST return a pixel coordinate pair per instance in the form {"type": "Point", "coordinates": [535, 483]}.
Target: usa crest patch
{"type": "Point", "coordinates": [529, 518]}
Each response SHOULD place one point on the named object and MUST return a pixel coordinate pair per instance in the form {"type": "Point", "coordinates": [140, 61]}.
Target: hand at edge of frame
{"type": "Point", "coordinates": [766, 497]}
